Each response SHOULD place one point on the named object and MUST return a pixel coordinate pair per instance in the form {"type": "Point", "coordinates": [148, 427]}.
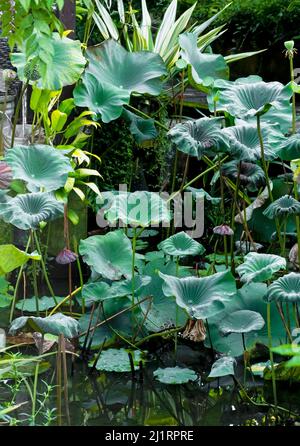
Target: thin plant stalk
{"type": "Point", "coordinates": [18, 282]}
{"type": "Point", "coordinates": [294, 114]}
{"type": "Point", "coordinates": [297, 222]}
{"type": "Point", "coordinates": [75, 247]}
{"type": "Point", "coordinates": [35, 285]}
{"type": "Point", "coordinates": [133, 271]}
{"type": "Point", "coordinates": [176, 315]}
{"type": "Point", "coordinates": [234, 205]}
{"type": "Point", "coordinates": [44, 269]}
{"type": "Point", "coordinates": [271, 356]}
{"type": "Point", "coordinates": [17, 112]}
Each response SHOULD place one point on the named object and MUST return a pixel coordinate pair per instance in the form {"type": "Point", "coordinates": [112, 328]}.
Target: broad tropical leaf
{"type": "Point", "coordinates": [40, 166]}
{"type": "Point", "coordinates": [201, 298]}
{"type": "Point", "coordinates": [175, 375]}
{"type": "Point", "coordinates": [113, 74]}
{"type": "Point", "coordinates": [56, 325]}
{"type": "Point", "coordinates": [260, 267]}
{"type": "Point", "coordinates": [44, 304]}
{"type": "Point", "coordinates": [196, 138]}
{"type": "Point", "coordinates": [180, 245]}
{"type": "Point", "coordinates": [64, 65]}
{"type": "Point", "coordinates": [27, 211]}
{"type": "Point", "coordinates": [12, 258]}
{"type": "Point", "coordinates": [142, 129]}
{"type": "Point", "coordinates": [241, 321]}
{"type": "Point", "coordinates": [287, 148]}
{"type": "Point", "coordinates": [109, 255]}
{"type": "Point", "coordinates": [205, 67]}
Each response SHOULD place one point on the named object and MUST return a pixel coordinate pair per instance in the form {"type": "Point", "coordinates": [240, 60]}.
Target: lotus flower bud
{"type": "Point", "coordinates": [293, 255]}
{"type": "Point", "coordinates": [66, 256]}
{"type": "Point", "coordinates": [223, 230]}
{"type": "Point", "coordinates": [289, 45]}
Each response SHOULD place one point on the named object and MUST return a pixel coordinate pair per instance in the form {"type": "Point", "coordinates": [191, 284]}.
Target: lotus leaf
{"type": "Point", "coordinates": [284, 206]}
{"type": "Point", "coordinates": [222, 367]}
{"type": "Point", "coordinates": [27, 211]}
{"type": "Point", "coordinates": [180, 245]}
{"type": "Point", "coordinates": [117, 360]}
{"type": "Point", "coordinates": [285, 289]}
{"type": "Point", "coordinates": [56, 325]}
{"type": "Point", "coordinates": [40, 166]}
{"type": "Point", "coordinates": [44, 304]}
{"type": "Point", "coordinates": [260, 267]}
{"type": "Point", "coordinates": [175, 375]}
{"type": "Point", "coordinates": [241, 321]}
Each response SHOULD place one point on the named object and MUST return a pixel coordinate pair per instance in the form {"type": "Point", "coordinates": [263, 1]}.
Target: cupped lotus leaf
{"type": "Point", "coordinates": [27, 211]}
{"type": "Point", "coordinates": [40, 166]}
{"type": "Point", "coordinates": [196, 138]}
{"type": "Point", "coordinates": [109, 255]}
{"type": "Point", "coordinates": [249, 297]}
{"type": "Point", "coordinates": [44, 304]}
{"type": "Point", "coordinates": [285, 289]}
{"type": "Point", "coordinates": [205, 67]}
{"type": "Point", "coordinates": [222, 367]}
{"type": "Point", "coordinates": [104, 99]}
{"type": "Point", "coordinates": [250, 175]}
{"type": "Point", "coordinates": [249, 97]}
{"type": "Point", "coordinates": [113, 74]}
{"type": "Point", "coordinates": [142, 129]}
{"type": "Point", "coordinates": [117, 360]}
{"type": "Point", "coordinates": [64, 66]}
{"type": "Point", "coordinates": [12, 258]}
{"type": "Point", "coordinates": [287, 148]}
{"type": "Point", "coordinates": [175, 375]}
{"type": "Point", "coordinates": [241, 321]}
{"type": "Point", "coordinates": [56, 324]}
{"type": "Point", "coordinates": [138, 209]}
{"type": "Point", "coordinates": [201, 298]}
{"type": "Point", "coordinates": [244, 145]}
{"type": "Point", "coordinates": [284, 207]}
{"type": "Point", "coordinates": [260, 267]}
{"type": "Point", "coordinates": [180, 245]}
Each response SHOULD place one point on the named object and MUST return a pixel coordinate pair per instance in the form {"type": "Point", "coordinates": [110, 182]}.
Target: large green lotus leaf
{"type": "Point", "coordinates": [44, 304]}
{"type": "Point", "coordinates": [138, 72]}
{"type": "Point", "coordinates": [196, 138]}
{"type": "Point", "coordinates": [175, 375]}
{"type": "Point", "coordinates": [56, 324]}
{"type": "Point", "coordinates": [117, 360]}
{"type": "Point", "coordinates": [249, 97]}
{"type": "Point", "coordinates": [124, 287]}
{"type": "Point", "coordinates": [102, 98]}
{"type": "Point", "coordinates": [249, 297]}
{"type": "Point", "coordinates": [27, 211]}
{"type": "Point", "coordinates": [94, 292]}
{"type": "Point", "coordinates": [260, 267]}
{"type": "Point", "coordinates": [142, 129]}
{"type": "Point", "coordinates": [205, 67]}
{"type": "Point", "coordinates": [64, 66]}
{"type": "Point", "coordinates": [11, 258]}
{"type": "Point", "coordinates": [40, 166]}
{"type": "Point", "coordinates": [285, 289]}
{"type": "Point", "coordinates": [180, 245]}
{"type": "Point", "coordinates": [139, 208]}
{"type": "Point", "coordinates": [241, 321]}
{"type": "Point", "coordinates": [251, 175]}
{"type": "Point", "coordinates": [288, 148]}
{"type": "Point", "coordinates": [244, 142]}
{"type": "Point", "coordinates": [222, 367]}
{"type": "Point", "coordinates": [201, 298]}
{"type": "Point", "coordinates": [115, 74]}
{"type": "Point", "coordinates": [283, 206]}
{"type": "Point", "coordinates": [109, 255]}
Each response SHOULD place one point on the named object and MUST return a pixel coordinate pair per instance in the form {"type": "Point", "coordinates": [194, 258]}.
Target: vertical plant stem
{"type": "Point", "coordinates": [176, 316]}
{"type": "Point", "coordinates": [34, 394]}
{"type": "Point", "coordinates": [297, 223]}
{"type": "Point", "coordinates": [265, 169]}
{"type": "Point", "coordinates": [75, 247]}
{"type": "Point", "coordinates": [44, 269]}
{"type": "Point", "coordinates": [294, 115]}
{"type": "Point", "coordinates": [17, 112]}
{"type": "Point", "coordinates": [271, 356]}
{"type": "Point", "coordinates": [18, 282]}
{"type": "Point", "coordinates": [133, 273]}
{"type": "Point", "coordinates": [58, 381]}
{"type": "Point", "coordinates": [234, 205]}
{"type": "Point", "coordinates": [35, 285]}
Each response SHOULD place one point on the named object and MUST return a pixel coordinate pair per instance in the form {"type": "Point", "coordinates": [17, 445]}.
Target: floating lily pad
{"type": "Point", "coordinates": [175, 375]}
{"type": "Point", "coordinates": [117, 360]}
